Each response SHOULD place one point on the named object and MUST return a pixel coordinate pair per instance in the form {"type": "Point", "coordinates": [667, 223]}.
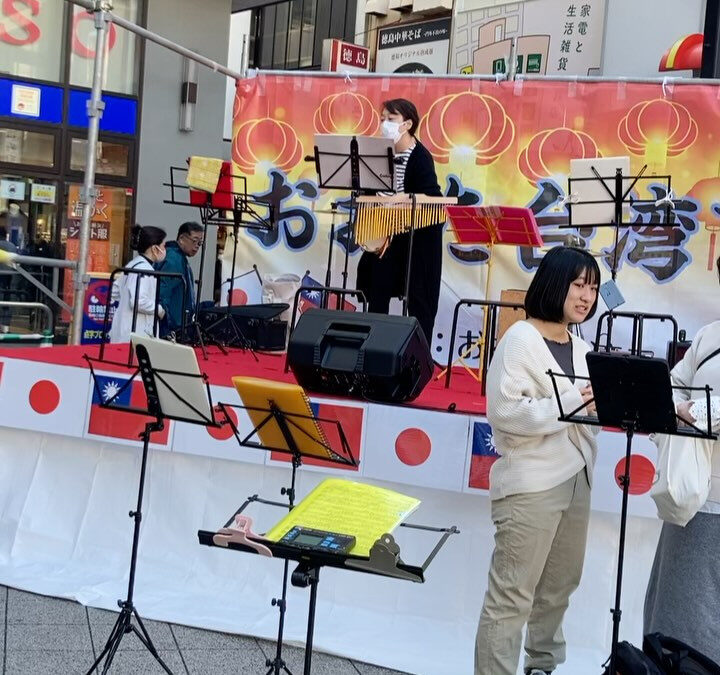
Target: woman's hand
{"type": "Point", "coordinates": [587, 396]}
{"type": "Point", "coordinates": [683, 411]}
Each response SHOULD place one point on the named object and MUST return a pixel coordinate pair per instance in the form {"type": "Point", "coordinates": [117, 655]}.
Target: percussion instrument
{"type": "Point", "coordinates": [381, 216]}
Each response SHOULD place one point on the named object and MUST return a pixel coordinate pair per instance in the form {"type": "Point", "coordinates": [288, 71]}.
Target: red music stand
{"type": "Point", "coordinates": [488, 225]}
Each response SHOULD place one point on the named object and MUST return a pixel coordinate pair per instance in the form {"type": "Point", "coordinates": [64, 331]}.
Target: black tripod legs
{"type": "Point", "coordinates": [277, 665]}
{"type": "Point", "coordinates": [122, 626]}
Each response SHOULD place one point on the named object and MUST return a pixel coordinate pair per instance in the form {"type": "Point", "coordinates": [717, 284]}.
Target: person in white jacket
{"type": "Point", "coordinates": [684, 585]}
{"type": "Point", "coordinates": [136, 294]}
{"type": "Point", "coordinates": [540, 485]}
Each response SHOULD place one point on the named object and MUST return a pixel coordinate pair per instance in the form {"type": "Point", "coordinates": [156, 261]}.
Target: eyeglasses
{"type": "Point", "coordinates": [195, 241]}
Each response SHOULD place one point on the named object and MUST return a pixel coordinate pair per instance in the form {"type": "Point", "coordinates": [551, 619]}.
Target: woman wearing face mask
{"type": "Point", "coordinates": [381, 276]}
{"type": "Point", "coordinates": [540, 485]}
{"type": "Point", "coordinates": [150, 244]}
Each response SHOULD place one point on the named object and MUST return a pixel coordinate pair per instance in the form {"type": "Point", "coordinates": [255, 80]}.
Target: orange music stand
{"type": "Point", "coordinates": [491, 226]}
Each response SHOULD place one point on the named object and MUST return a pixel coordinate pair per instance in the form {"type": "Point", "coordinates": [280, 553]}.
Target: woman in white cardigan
{"type": "Point", "coordinates": [684, 587]}
{"type": "Point", "coordinates": [136, 294]}
{"type": "Point", "coordinates": [540, 485]}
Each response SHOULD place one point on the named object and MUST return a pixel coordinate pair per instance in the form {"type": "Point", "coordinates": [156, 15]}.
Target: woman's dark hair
{"type": "Point", "coordinates": [401, 106]}
{"type": "Point", "coordinates": [717, 265]}
{"type": "Point", "coordinates": [545, 299]}
{"type": "Point", "coordinates": [142, 238]}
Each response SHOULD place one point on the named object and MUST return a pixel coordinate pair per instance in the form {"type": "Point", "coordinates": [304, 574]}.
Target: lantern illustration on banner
{"type": "Point", "coordinates": [266, 141]}
{"type": "Point", "coordinates": [656, 130]}
{"type": "Point", "coordinates": [707, 193]}
{"type": "Point", "coordinates": [467, 126]}
{"type": "Point", "coordinates": [346, 113]}
{"type": "Point", "coordinates": [548, 153]}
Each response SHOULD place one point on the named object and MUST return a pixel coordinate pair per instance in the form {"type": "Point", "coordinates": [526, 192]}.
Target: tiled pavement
{"type": "Point", "coordinates": [48, 636]}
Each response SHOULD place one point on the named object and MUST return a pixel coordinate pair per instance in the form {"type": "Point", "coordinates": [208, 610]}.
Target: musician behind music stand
{"type": "Point", "coordinates": [284, 422]}
{"type": "Point", "coordinates": [632, 393]}
{"type": "Point", "coordinates": [175, 390]}
{"type": "Point", "coordinates": [358, 164]}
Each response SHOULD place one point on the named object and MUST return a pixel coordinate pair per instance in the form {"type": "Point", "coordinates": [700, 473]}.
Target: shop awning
{"type": "Point", "coordinates": [685, 54]}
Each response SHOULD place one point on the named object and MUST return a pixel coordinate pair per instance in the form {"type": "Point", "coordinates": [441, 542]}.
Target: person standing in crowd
{"type": "Point", "coordinates": [5, 281]}
{"type": "Point", "coordinates": [381, 275]}
{"type": "Point", "coordinates": [540, 485]}
{"type": "Point", "coordinates": [684, 586]}
{"type": "Point", "coordinates": [189, 240]}
{"type": "Point", "coordinates": [134, 301]}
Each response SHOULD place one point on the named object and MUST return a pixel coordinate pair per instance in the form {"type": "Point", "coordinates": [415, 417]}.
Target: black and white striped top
{"type": "Point", "coordinates": [401, 160]}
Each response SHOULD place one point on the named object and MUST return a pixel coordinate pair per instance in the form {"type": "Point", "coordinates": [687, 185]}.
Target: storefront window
{"type": "Point", "coordinates": [120, 65]}
{"type": "Point", "coordinates": [110, 224]}
{"type": "Point", "coordinates": [27, 147]}
{"type": "Point", "coordinates": [31, 39]}
{"type": "Point", "coordinates": [112, 158]}
{"type": "Point", "coordinates": [28, 208]}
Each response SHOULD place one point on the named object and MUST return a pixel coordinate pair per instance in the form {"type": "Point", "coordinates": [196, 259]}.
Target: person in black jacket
{"type": "Point", "coordinates": [381, 276]}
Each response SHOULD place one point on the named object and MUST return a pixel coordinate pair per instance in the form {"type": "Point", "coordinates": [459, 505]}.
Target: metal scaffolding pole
{"type": "Point", "coordinates": [103, 16]}
{"type": "Point", "coordinates": [88, 193]}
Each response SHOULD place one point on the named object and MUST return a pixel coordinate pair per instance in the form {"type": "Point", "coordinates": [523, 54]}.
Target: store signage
{"type": "Point", "coordinates": [345, 56]}
{"type": "Point", "coordinates": [12, 189]}
{"type": "Point", "coordinates": [21, 21]}
{"type": "Point", "coordinates": [44, 194]}
{"type": "Point", "coordinates": [93, 322]}
{"type": "Point", "coordinates": [25, 100]}
{"type": "Point", "coordinates": [414, 47]}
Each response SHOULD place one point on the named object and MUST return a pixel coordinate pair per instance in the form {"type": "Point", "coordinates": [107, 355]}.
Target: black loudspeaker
{"type": "Point", "coordinates": [259, 324]}
{"type": "Point", "coordinates": [373, 356]}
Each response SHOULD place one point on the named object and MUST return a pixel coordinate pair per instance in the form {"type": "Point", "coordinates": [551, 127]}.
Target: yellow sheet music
{"type": "Point", "coordinates": [346, 507]}
{"type": "Point", "coordinates": [204, 173]}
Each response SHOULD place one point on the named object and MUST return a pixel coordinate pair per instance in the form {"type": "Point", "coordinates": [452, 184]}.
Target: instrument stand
{"type": "Point", "coordinates": [290, 429]}
{"type": "Point", "coordinates": [384, 560]}
{"type": "Point", "coordinates": [152, 379]}
{"type": "Point", "coordinates": [638, 321]}
{"type": "Point", "coordinates": [346, 167]}
{"type": "Point", "coordinates": [140, 273]}
{"type": "Point", "coordinates": [487, 226]}
{"type": "Point", "coordinates": [619, 197]}
{"type": "Point", "coordinates": [633, 394]}
{"type": "Point", "coordinates": [244, 214]}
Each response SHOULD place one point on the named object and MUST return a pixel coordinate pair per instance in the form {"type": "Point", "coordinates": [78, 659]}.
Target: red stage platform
{"type": "Point", "coordinates": [463, 397]}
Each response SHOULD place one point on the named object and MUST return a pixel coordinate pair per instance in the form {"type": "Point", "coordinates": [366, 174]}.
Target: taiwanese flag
{"type": "Point", "coordinates": [111, 423]}
{"type": "Point", "coordinates": [313, 298]}
{"type": "Point", "coordinates": [351, 421]}
{"type": "Point", "coordinates": [483, 456]}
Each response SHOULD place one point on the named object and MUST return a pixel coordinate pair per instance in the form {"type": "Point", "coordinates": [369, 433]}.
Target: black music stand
{"type": "Point", "coordinates": [634, 394]}
{"type": "Point", "coordinates": [350, 168]}
{"type": "Point", "coordinates": [243, 210]}
{"type": "Point", "coordinates": [283, 422]}
{"type": "Point", "coordinates": [140, 273]}
{"type": "Point", "coordinates": [164, 402]}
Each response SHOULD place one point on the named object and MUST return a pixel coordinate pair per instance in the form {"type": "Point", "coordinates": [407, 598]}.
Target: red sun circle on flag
{"type": "Point", "coordinates": [44, 397]}
{"type": "Point", "coordinates": [239, 297]}
{"type": "Point", "coordinates": [224, 432]}
{"type": "Point", "coordinates": [642, 474]}
{"type": "Point", "coordinates": [413, 447]}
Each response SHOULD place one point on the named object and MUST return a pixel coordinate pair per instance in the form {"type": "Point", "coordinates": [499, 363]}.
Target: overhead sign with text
{"type": "Point", "coordinates": [414, 47]}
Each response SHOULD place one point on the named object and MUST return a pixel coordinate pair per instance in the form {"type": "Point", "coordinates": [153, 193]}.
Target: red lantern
{"type": "Point", "coordinates": [467, 121]}
{"type": "Point", "coordinates": [660, 123]}
{"type": "Point", "coordinates": [266, 140]}
{"type": "Point", "coordinates": [549, 153]}
{"type": "Point", "coordinates": [346, 113]}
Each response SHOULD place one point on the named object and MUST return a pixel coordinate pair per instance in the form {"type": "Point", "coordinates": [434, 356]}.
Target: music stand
{"type": "Point", "coordinates": [175, 390]}
{"type": "Point", "coordinates": [634, 394]}
{"type": "Point", "coordinates": [356, 164]}
{"type": "Point", "coordinates": [284, 422]}
{"type": "Point", "coordinates": [383, 558]}
{"type": "Point", "coordinates": [490, 226]}
{"type": "Point", "coordinates": [229, 196]}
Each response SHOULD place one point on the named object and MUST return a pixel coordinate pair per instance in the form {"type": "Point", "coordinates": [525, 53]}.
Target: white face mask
{"type": "Point", "coordinates": [390, 129]}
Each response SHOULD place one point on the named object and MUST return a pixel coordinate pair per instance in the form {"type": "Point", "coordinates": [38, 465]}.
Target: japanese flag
{"type": "Point", "coordinates": [43, 397]}
{"type": "Point", "coordinates": [417, 447]}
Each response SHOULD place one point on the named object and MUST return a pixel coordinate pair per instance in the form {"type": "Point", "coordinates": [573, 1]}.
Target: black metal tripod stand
{"type": "Point", "coordinates": [124, 623]}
